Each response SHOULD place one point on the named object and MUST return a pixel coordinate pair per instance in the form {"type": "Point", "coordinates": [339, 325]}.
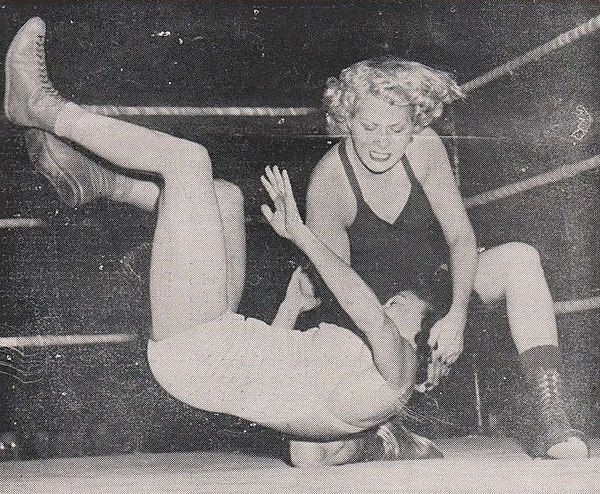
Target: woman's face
{"type": "Point", "coordinates": [380, 133]}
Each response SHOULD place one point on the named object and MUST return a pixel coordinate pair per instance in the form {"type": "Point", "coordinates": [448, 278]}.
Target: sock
{"type": "Point", "coordinates": [542, 356]}
{"type": "Point", "coordinates": [123, 187]}
{"type": "Point", "coordinates": [66, 120]}
{"type": "Point", "coordinates": [139, 193]}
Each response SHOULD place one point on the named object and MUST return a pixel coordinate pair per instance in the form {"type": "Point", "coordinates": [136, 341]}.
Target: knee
{"type": "Point", "coordinates": [229, 196]}
{"type": "Point", "coordinates": [199, 160]}
{"type": "Point", "coordinates": [522, 257]}
{"type": "Point", "coordinates": [190, 161]}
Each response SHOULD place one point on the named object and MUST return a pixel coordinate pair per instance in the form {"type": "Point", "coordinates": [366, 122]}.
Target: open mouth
{"type": "Point", "coordinates": [380, 157]}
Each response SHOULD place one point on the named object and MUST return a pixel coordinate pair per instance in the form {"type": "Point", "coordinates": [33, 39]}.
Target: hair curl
{"type": "Point", "coordinates": [397, 81]}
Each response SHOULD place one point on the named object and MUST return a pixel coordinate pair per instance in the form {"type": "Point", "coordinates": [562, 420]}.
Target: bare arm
{"type": "Point", "coordinates": [446, 202]}
{"type": "Point", "coordinates": [355, 297]}
{"type": "Point", "coordinates": [358, 300]}
{"type": "Point", "coordinates": [324, 212]}
{"type": "Point", "coordinates": [287, 315]}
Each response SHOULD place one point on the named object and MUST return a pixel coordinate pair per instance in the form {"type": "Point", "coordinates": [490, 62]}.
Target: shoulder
{"type": "Point", "coordinates": [328, 168]}
{"type": "Point", "coordinates": [426, 151]}
{"type": "Point", "coordinates": [328, 176]}
{"type": "Point", "coordinates": [328, 186]}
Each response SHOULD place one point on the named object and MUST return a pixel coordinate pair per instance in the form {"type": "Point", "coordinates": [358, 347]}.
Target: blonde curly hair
{"type": "Point", "coordinates": [397, 81]}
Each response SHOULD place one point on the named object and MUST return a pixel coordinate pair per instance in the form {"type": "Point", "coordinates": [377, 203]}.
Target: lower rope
{"type": "Point", "coordinates": [22, 223]}
{"type": "Point", "coordinates": [569, 306]}
{"type": "Point", "coordinates": [65, 340]}
{"type": "Point", "coordinates": [562, 307]}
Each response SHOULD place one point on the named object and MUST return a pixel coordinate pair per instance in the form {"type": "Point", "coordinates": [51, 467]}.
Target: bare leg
{"type": "Point", "coordinates": [79, 179]}
{"type": "Point", "coordinates": [513, 272]}
{"type": "Point", "coordinates": [188, 266]}
{"type": "Point", "coordinates": [144, 195]}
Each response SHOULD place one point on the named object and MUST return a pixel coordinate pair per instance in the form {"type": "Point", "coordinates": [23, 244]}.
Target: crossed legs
{"type": "Point", "coordinates": [188, 284]}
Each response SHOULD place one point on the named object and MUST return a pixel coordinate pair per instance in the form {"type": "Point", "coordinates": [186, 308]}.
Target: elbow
{"type": "Point", "coordinates": [375, 325]}
{"type": "Point", "coordinates": [402, 373]}
{"type": "Point", "coordinates": [464, 241]}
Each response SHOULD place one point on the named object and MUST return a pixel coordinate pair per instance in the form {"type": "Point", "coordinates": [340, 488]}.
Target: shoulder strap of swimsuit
{"type": "Point", "coordinates": [350, 172]}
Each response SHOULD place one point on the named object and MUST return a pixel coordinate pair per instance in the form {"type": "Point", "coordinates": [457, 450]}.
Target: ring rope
{"type": "Point", "coordinates": [560, 173]}
{"type": "Point", "coordinates": [268, 111]}
{"type": "Point", "coordinates": [64, 340]}
{"type": "Point", "coordinates": [535, 54]}
{"type": "Point", "coordinates": [562, 307]}
{"type": "Point", "coordinates": [195, 111]}
{"type": "Point", "coordinates": [570, 306]}
{"type": "Point", "coordinates": [22, 223]}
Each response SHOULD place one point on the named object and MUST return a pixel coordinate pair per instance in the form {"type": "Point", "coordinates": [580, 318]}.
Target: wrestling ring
{"type": "Point", "coordinates": [494, 464]}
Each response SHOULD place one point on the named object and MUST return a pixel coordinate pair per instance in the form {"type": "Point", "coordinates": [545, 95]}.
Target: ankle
{"type": "Point", "coordinates": [65, 122]}
{"type": "Point", "coordinates": [121, 191]}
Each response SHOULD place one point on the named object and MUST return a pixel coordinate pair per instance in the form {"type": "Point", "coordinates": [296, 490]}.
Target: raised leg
{"type": "Point", "coordinates": [188, 284]}
{"type": "Point", "coordinates": [79, 179]}
{"type": "Point", "coordinates": [144, 194]}
{"type": "Point", "coordinates": [188, 266]}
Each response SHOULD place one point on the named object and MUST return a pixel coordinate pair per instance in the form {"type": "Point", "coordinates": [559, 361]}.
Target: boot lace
{"type": "Point", "coordinates": [40, 59]}
{"type": "Point", "coordinates": [553, 414]}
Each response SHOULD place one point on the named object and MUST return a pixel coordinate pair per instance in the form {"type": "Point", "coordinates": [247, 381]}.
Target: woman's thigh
{"type": "Point", "coordinates": [231, 208]}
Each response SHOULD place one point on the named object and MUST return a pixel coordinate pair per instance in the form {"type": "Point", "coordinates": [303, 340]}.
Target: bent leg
{"type": "Point", "coordinates": [231, 207]}
{"type": "Point", "coordinates": [145, 194]}
{"type": "Point", "coordinates": [230, 201]}
{"type": "Point", "coordinates": [188, 280]}
{"type": "Point", "coordinates": [188, 265]}
{"type": "Point", "coordinates": [79, 179]}
{"type": "Point", "coordinates": [513, 272]}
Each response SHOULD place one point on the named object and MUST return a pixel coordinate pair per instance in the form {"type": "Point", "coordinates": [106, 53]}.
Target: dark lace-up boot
{"type": "Point", "coordinates": [29, 97]}
{"type": "Point", "coordinates": [555, 437]}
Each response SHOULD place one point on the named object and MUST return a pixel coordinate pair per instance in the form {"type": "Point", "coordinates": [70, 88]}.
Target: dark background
{"type": "Point", "coordinates": [88, 272]}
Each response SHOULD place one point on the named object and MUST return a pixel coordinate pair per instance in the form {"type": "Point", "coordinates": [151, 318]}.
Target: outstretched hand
{"type": "Point", "coordinates": [285, 219]}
